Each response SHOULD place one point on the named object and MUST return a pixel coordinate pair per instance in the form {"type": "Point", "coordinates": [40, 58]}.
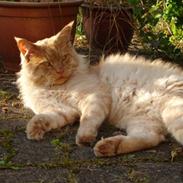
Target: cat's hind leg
{"type": "Point", "coordinates": [141, 134]}
{"type": "Point", "coordinates": [44, 122]}
{"type": "Point", "coordinates": [173, 117]}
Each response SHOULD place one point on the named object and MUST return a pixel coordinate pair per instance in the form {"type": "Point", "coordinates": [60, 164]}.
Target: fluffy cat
{"type": "Point", "coordinates": [144, 98]}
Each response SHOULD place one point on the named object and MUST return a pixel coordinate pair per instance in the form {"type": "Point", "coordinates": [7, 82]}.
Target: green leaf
{"type": "Point", "coordinates": [157, 16]}
{"type": "Point", "coordinates": [133, 2]}
{"type": "Point", "coordinates": [2, 162]}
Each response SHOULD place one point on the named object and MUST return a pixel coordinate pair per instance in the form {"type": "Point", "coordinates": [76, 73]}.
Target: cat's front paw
{"type": "Point", "coordinates": [37, 127]}
{"type": "Point", "coordinates": [85, 136]}
{"type": "Point", "coordinates": [107, 147]}
{"type": "Point", "coordinates": [85, 139]}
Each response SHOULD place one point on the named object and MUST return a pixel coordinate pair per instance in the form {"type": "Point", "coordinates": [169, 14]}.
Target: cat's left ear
{"type": "Point", "coordinates": [64, 36]}
{"type": "Point", "coordinates": [27, 48]}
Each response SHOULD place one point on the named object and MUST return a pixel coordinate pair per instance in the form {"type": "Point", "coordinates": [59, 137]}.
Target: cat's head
{"type": "Point", "coordinates": [50, 61]}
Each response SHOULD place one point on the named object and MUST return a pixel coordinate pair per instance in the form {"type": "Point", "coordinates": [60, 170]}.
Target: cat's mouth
{"type": "Point", "coordinates": [60, 80]}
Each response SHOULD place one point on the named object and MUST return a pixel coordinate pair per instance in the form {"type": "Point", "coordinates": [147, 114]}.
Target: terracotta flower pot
{"type": "Point", "coordinates": [109, 29]}
{"type": "Point", "coordinates": [32, 21]}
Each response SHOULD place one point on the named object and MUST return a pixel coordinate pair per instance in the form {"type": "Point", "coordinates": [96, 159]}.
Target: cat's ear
{"type": "Point", "coordinates": [64, 36]}
{"type": "Point", "coordinates": [27, 48]}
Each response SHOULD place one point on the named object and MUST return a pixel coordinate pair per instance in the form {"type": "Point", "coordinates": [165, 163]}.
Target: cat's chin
{"type": "Point", "coordinates": [60, 81]}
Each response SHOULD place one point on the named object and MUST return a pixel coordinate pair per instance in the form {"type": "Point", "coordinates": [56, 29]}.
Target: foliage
{"type": "Point", "coordinates": [160, 25]}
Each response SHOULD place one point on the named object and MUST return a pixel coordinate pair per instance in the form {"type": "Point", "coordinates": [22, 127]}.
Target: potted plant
{"type": "Point", "coordinates": [108, 24]}
{"type": "Point", "coordinates": [32, 20]}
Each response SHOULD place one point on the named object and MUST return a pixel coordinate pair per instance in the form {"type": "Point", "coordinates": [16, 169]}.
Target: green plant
{"type": "Point", "coordinates": [160, 25]}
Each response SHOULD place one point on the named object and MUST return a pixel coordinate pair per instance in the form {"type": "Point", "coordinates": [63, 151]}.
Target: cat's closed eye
{"type": "Point", "coordinates": [64, 59]}
{"type": "Point", "coordinates": [48, 64]}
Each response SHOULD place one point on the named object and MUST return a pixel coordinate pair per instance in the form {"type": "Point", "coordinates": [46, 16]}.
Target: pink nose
{"type": "Point", "coordinates": [60, 71]}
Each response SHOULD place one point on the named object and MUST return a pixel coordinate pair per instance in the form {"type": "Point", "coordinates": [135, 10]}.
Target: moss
{"type": "Point", "coordinates": [63, 151]}
{"type": "Point", "coordinates": [10, 112]}
{"type": "Point", "coordinates": [64, 147]}
{"type": "Point", "coordinates": [14, 116]}
{"type": "Point", "coordinates": [71, 177]}
{"type": "Point", "coordinates": [5, 95]}
{"type": "Point", "coordinates": [11, 107]}
{"type": "Point", "coordinates": [6, 137]}
{"type": "Point", "coordinates": [143, 156]}
{"type": "Point", "coordinates": [41, 181]}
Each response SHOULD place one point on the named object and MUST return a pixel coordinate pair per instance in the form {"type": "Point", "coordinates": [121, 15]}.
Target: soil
{"type": "Point", "coordinates": [56, 158]}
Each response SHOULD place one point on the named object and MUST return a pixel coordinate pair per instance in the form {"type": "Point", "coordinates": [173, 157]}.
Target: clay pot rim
{"type": "Point", "coordinates": [39, 4]}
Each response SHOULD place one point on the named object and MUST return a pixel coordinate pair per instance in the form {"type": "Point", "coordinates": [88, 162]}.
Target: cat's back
{"type": "Point", "coordinates": [119, 70]}
{"type": "Point", "coordinates": [138, 85]}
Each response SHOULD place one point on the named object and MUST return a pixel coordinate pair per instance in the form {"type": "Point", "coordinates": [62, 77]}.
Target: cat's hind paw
{"type": "Point", "coordinates": [107, 147]}
{"type": "Point", "coordinates": [37, 127]}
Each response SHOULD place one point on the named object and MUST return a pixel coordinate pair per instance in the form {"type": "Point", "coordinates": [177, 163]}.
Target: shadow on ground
{"type": "Point", "coordinates": [57, 159]}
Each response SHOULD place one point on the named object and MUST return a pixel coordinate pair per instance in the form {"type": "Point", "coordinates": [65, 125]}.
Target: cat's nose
{"type": "Point", "coordinates": [60, 71]}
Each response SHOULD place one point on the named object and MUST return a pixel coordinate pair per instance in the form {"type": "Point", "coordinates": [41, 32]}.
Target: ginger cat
{"type": "Point", "coordinates": [144, 98]}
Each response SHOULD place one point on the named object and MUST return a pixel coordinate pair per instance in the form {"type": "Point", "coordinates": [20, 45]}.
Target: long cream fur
{"type": "Point", "coordinates": [143, 97]}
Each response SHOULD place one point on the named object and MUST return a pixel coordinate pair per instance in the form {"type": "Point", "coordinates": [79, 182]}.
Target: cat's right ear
{"type": "Point", "coordinates": [26, 47]}
{"type": "Point", "coordinates": [63, 38]}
